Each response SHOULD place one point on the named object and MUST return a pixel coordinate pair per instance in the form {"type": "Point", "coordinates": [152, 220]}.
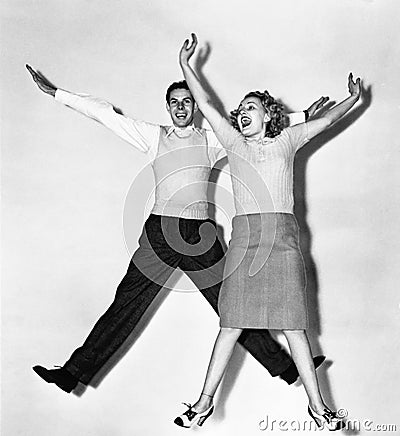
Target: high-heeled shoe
{"type": "Point", "coordinates": [188, 418]}
{"type": "Point", "coordinates": [328, 419]}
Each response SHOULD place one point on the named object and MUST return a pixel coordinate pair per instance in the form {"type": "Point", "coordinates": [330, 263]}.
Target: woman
{"type": "Point", "coordinates": [265, 276]}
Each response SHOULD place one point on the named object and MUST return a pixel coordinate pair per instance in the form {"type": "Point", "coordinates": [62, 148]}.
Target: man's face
{"type": "Point", "coordinates": [181, 107]}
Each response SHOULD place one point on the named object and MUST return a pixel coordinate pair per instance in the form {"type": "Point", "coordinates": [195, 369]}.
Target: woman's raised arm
{"type": "Point", "coordinates": [201, 97]}
{"type": "Point", "coordinates": [319, 125]}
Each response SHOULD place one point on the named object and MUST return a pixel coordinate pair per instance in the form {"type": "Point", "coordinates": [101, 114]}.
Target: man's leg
{"type": "Point", "coordinates": [206, 272]}
{"type": "Point", "coordinates": [133, 297]}
{"type": "Point", "coordinates": [148, 270]}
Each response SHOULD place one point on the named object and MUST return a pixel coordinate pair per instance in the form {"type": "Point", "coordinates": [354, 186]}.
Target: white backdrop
{"type": "Point", "coordinates": [65, 180]}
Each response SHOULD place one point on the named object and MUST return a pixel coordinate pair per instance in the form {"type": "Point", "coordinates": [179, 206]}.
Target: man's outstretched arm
{"type": "Point", "coordinates": [142, 135]}
{"type": "Point", "coordinates": [302, 117]}
{"type": "Point", "coordinates": [317, 105]}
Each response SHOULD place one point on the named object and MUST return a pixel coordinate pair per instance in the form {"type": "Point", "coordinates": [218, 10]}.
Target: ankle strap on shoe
{"type": "Point", "coordinates": [207, 395]}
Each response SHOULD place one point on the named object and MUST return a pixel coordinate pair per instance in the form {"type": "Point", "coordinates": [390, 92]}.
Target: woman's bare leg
{"type": "Point", "coordinates": [301, 354]}
{"type": "Point", "coordinates": [222, 352]}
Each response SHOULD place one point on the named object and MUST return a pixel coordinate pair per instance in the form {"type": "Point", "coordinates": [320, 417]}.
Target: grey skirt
{"type": "Point", "coordinates": [265, 281]}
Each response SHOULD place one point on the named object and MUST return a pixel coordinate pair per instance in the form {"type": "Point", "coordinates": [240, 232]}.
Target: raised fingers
{"type": "Point", "coordinates": [194, 40]}
{"type": "Point", "coordinates": [31, 71]}
{"type": "Point", "coordinates": [351, 77]}
{"type": "Point", "coordinates": [322, 101]}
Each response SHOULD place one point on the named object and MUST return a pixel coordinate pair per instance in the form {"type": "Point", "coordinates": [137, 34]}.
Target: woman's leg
{"type": "Point", "coordinates": [301, 354]}
{"type": "Point", "coordinates": [223, 349]}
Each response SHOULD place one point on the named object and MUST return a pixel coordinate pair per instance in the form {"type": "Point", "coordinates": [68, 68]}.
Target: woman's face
{"type": "Point", "coordinates": [252, 117]}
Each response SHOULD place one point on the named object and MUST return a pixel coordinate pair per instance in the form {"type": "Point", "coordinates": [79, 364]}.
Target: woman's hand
{"type": "Point", "coordinates": [332, 115]}
{"type": "Point", "coordinates": [187, 50]}
{"type": "Point", "coordinates": [354, 87]}
{"type": "Point", "coordinates": [197, 90]}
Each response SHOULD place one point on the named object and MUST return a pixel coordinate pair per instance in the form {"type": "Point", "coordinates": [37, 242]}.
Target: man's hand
{"type": "Point", "coordinates": [41, 81]}
{"type": "Point", "coordinates": [316, 106]}
{"type": "Point", "coordinates": [354, 87]}
{"type": "Point", "coordinates": [187, 50]}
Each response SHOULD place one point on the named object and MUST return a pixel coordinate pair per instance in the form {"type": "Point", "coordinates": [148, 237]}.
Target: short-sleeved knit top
{"type": "Point", "coordinates": [262, 172]}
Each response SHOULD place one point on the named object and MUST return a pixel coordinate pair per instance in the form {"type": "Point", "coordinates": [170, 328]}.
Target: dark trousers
{"type": "Point", "coordinates": [166, 243]}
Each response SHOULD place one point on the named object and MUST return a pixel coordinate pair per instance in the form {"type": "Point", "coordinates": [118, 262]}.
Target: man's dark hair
{"type": "Point", "coordinates": [176, 85]}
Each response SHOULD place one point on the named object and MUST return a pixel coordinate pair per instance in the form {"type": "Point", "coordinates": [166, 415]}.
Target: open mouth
{"type": "Point", "coordinates": [245, 121]}
{"type": "Point", "coordinates": [181, 116]}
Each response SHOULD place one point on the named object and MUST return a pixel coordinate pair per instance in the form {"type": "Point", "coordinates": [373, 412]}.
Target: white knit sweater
{"type": "Point", "coordinates": [262, 172]}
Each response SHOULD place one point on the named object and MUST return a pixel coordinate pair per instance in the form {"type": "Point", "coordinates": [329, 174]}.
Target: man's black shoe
{"type": "Point", "coordinates": [291, 374]}
{"type": "Point", "coordinates": [61, 377]}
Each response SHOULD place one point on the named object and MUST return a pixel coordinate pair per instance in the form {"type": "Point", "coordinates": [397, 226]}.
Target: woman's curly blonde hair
{"type": "Point", "coordinates": [274, 110]}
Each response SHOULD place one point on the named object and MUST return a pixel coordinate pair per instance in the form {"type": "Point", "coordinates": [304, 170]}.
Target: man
{"type": "Point", "coordinates": [178, 232]}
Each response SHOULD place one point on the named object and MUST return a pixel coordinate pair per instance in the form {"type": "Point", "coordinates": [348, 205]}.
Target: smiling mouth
{"type": "Point", "coordinates": [245, 121]}
{"type": "Point", "coordinates": [181, 116]}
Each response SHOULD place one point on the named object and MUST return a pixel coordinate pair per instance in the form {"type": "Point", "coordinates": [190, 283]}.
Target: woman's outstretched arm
{"type": "Point", "coordinates": [201, 97]}
{"type": "Point", "coordinates": [317, 126]}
